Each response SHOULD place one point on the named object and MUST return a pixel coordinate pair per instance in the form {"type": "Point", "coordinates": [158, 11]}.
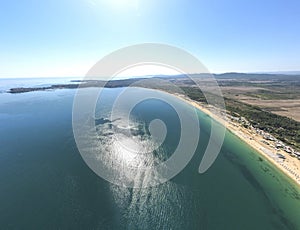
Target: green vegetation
{"type": "Point", "coordinates": [194, 93]}
{"type": "Point", "coordinates": [283, 128]}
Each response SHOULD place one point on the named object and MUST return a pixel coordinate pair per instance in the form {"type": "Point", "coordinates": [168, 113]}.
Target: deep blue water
{"type": "Point", "coordinates": [45, 184]}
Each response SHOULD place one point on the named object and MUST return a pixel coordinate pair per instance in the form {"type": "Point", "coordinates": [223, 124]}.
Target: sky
{"type": "Point", "coordinates": [65, 38]}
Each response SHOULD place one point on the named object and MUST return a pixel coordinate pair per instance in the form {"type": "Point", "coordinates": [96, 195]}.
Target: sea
{"type": "Point", "coordinates": [45, 182]}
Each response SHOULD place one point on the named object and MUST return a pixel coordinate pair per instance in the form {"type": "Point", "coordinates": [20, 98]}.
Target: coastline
{"type": "Point", "coordinates": [290, 166]}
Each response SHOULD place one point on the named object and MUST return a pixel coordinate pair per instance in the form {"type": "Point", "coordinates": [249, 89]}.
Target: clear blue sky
{"type": "Point", "coordinates": [66, 37]}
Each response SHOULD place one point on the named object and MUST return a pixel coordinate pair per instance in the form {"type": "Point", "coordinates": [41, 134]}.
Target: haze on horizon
{"type": "Point", "coordinates": [66, 38]}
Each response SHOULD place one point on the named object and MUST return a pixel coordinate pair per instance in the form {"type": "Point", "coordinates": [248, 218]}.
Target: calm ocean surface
{"type": "Point", "coordinates": [45, 184]}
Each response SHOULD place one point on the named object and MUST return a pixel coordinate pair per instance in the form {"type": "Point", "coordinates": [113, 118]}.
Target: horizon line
{"type": "Point", "coordinates": [288, 72]}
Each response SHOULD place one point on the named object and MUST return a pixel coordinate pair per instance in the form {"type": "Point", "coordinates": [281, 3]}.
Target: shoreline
{"type": "Point", "coordinates": [290, 166]}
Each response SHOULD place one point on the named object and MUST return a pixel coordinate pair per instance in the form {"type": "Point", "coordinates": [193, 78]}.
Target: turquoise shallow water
{"type": "Point", "coordinates": [45, 184]}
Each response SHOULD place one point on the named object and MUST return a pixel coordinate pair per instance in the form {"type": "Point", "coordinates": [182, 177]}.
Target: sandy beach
{"type": "Point", "coordinates": [289, 166]}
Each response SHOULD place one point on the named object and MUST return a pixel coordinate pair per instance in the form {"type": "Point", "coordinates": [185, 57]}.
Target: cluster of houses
{"type": "Point", "coordinates": [243, 121]}
{"type": "Point", "coordinates": [278, 145]}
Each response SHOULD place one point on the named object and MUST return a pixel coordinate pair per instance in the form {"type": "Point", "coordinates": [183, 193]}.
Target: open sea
{"type": "Point", "coordinates": [45, 183]}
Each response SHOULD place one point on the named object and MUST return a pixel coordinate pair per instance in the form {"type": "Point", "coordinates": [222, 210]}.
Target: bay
{"type": "Point", "coordinates": [45, 183]}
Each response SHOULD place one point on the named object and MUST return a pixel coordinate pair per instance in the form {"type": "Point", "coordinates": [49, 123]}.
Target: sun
{"type": "Point", "coordinates": [124, 3]}
{"type": "Point", "coordinates": [116, 4]}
